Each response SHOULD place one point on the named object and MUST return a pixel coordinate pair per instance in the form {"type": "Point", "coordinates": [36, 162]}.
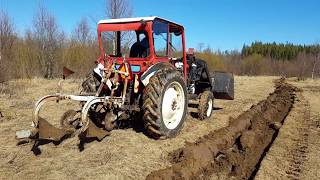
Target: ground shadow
{"type": "Point", "coordinates": [195, 115]}
{"type": "Point", "coordinates": [39, 142]}
{"type": "Point", "coordinates": [133, 121]}
{"type": "Point", "coordinates": [85, 140]}
{"type": "Point", "coordinates": [217, 108]}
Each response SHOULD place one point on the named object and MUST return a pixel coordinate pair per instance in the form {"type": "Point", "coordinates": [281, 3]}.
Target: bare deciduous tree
{"type": "Point", "coordinates": [7, 37]}
{"type": "Point", "coordinates": [314, 64]}
{"type": "Point", "coordinates": [82, 49]}
{"type": "Point", "coordinates": [118, 9]}
{"type": "Point", "coordinates": [82, 33]}
{"type": "Point", "coordinates": [48, 37]}
{"type": "Point", "coordinates": [7, 33]}
{"type": "Point", "coordinates": [200, 47]}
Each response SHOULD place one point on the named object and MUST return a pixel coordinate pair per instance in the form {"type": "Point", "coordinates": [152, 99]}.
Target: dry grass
{"type": "Point", "coordinates": [295, 152]}
{"type": "Point", "coordinates": [126, 154]}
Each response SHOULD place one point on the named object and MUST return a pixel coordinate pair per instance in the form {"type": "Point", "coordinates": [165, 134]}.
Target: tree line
{"type": "Point", "coordinates": [44, 48]}
{"type": "Point", "coordinates": [280, 51]}
{"type": "Point", "coordinates": [302, 61]}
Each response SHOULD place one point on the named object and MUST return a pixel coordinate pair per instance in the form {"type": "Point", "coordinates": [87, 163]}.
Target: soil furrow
{"type": "Point", "coordinates": [236, 150]}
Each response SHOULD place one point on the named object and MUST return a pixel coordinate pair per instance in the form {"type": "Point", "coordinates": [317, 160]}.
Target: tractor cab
{"type": "Point", "coordinates": [142, 41]}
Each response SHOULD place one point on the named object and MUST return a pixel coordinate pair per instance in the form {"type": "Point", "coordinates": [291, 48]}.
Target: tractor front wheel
{"type": "Point", "coordinates": [165, 104]}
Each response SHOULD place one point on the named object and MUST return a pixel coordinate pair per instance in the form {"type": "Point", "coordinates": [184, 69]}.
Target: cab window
{"type": "Point", "coordinates": [133, 44]}
{"type": "Point", "coordinates": [175, 44]}
{"type": "Point", "coordinates": [160, 38]}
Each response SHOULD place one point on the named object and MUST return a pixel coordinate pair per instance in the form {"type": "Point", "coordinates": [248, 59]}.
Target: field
{"type": "Point", "coordinates": [292, 151]}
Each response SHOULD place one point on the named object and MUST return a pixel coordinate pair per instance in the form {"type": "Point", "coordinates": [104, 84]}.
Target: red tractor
{"type": "Point", "coordinates": [143, 69]}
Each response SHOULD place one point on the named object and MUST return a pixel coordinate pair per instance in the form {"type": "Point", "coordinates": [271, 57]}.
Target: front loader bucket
{"type": "Point", "coordinates": [49, 132]}
{"type": "Point", "coordinates": [223, 85]}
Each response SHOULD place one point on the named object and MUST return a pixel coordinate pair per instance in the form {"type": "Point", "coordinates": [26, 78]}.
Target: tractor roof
{"type": "Point", "coordinates": [137, 19]}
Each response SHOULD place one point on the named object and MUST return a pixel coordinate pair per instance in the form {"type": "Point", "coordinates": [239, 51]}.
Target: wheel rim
{"type": "Point", "coordinates": [209, 110]}
{"type": "Point", "coordinates": [173, 105]}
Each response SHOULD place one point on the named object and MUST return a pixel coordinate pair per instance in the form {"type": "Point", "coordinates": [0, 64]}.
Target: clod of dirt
{"type": "Point", "coordinates": [236, 150]}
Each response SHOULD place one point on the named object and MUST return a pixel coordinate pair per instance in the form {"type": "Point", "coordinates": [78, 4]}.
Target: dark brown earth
{"type": "Point", "coordinates": [234, 151]}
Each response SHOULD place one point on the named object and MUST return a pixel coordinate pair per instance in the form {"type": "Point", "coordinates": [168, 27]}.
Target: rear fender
{"type": "Point", "coordinates": [152, 70]}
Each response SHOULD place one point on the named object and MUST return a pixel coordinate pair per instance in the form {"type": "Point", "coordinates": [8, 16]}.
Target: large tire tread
{"type": "Point", "coordinates": [203, 104]}
{"type": "Point", "coordinates": [152, 103]}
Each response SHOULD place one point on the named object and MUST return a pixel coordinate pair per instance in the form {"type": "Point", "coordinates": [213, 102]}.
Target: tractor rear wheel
{"type": "Point", "coordinates": [70, 120]}
{"type": "Point", "coordinates": [205, 105]}
{"type": "Point", "coordinates": [90, 84]}
{"type": "Point", "coordinates": [164, 104]}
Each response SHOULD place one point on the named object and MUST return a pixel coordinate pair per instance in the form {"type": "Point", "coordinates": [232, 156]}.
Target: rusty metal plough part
{"type": "Point", "coordinates": [44, 130]}
{"type": "Point", "coordinates": [84, 121]}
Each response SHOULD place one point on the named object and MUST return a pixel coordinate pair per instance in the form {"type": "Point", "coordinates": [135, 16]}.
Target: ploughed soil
{"type": "Point", "coordinates": [241, 140]}
{"type": "Point", "coordinates": [234, 151]}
